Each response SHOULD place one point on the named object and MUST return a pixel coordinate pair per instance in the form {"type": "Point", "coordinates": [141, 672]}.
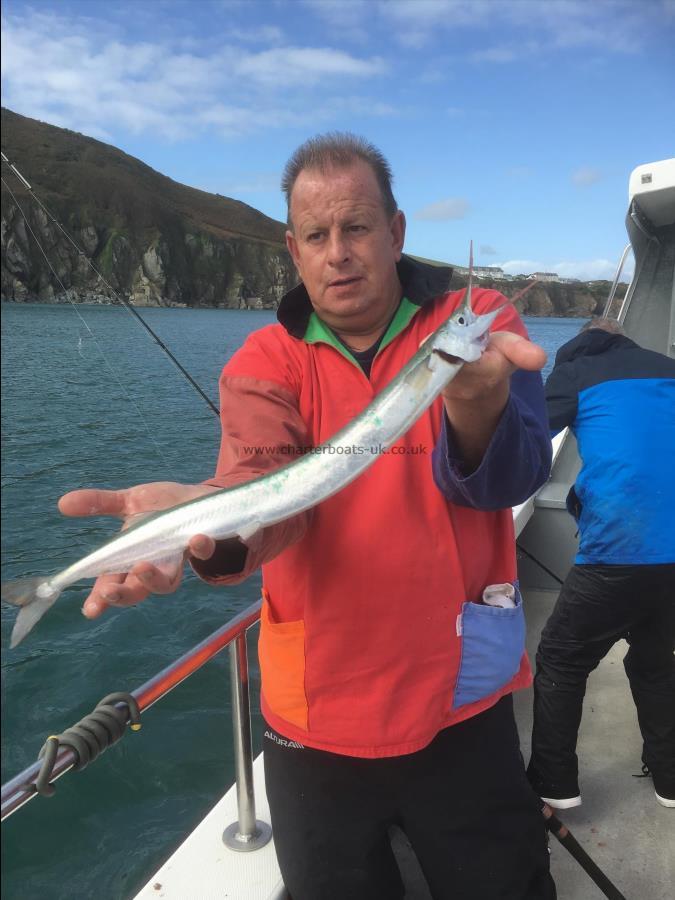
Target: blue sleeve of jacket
{"type": "Point", "coordinates": [516, 463]}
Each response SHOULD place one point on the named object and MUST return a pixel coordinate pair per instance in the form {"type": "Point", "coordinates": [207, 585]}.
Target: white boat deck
{"type": "Point", "coordinates": [620, 824]}
{"type": "Point", "coordinates": [203, 868]}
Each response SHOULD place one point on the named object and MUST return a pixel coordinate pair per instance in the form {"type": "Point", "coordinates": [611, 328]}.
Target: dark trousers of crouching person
{"type": "Point", "coordinates": [599, 605]}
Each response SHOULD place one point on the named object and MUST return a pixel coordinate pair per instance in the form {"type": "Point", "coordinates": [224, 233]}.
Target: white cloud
{"type": "Point", "coordinates": [348, 17]}
{"type": "Point", "coordinates": [415, 22]}
{"type": "Point", "coordinates": [436, 71]}
{"type": "Point", "coordinates": [432, 14]}
{"type": "Point", "coordinates": [520, 266]}
{"type": "Point", "coordinates": [444, 210]}
{"type": "Point", "coordinates": [495, 55]}
{"type": "Point", "coordinates": [286, 66]}
{"type": "Point", "coordinates": [80, 74]}
{"type": "Point", "coordinates": [265, 34]}
{"type": "Point", "coordinates": [584, 270]}
{"type": "Point", "coordinates": [613, 26]}
{"type": "Point", "coordinates": [587, 270]}
{"type": "Point", "coordinates": [586, 176]}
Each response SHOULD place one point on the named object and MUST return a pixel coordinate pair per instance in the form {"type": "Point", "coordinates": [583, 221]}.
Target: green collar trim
{"type": "Point", "coordinates": [318, 332]}
{"type": "Point", "coordinates": [404, 314]}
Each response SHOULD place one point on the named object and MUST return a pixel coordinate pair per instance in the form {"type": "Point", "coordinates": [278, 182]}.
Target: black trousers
{"type": "Point", "coordinates": [597, 606]}
{"type": "Point", "coordinates": [464, 803]}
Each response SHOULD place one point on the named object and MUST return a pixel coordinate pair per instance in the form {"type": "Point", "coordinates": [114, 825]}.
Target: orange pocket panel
{"type": "Point", "coordinates": [281, 651]}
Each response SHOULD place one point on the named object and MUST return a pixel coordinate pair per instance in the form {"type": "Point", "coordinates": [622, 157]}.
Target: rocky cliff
{"type": "Point", "coordinates": [157, 242]}
{"type": "Point", "coordinates": [154, 241]}
{"type": "Point", "coordinates": [550, 298]}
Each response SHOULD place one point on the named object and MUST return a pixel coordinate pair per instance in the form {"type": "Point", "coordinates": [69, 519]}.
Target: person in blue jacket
{"type": "Point", "coordinates": [619, 400]}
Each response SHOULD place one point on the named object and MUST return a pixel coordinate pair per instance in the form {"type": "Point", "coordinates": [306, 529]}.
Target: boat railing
{"type": "Point", "coordinates": [247, 833]}
{"type": "Point", "coordinates": [607, 312]}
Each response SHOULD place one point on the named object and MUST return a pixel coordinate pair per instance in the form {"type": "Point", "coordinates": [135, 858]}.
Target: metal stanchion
{"type": "Point", "coordinates": [248, 833]}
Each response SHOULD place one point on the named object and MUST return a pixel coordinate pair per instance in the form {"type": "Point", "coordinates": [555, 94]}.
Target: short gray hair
{"type": "Point", "coordinates": [603, 324]}
{"type": "Point", "coordinates": [338, 150]}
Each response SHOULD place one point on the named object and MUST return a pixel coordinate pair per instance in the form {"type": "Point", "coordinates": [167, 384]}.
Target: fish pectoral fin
{"type": "Point", "coordinates": [170, 565]}
{"type": "Point", "coordinates": [135, 519]}
{"type": "Point", "coordinates": [246, 533]}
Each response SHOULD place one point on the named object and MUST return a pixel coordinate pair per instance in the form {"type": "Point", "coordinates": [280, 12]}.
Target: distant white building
{"type": "Point", "coordinates": [488, 272]}
{"type": "Point", "coordinates": [544, 276]}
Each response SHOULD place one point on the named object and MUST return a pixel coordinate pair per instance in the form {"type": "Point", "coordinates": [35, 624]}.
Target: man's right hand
{"type": "Point", "coordinates": [129, 505]}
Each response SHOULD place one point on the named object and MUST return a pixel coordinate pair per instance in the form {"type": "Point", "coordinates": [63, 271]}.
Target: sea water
{"type": "Point", "coordinates": [88, 399]}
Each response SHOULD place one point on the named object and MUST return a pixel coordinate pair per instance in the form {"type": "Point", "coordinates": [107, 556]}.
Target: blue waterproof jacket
{"type": "Point", "coordinates": [619, 400]}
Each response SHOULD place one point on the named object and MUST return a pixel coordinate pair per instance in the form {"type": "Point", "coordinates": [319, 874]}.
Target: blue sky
{"type": "Point", "coordinates": [514, 123]}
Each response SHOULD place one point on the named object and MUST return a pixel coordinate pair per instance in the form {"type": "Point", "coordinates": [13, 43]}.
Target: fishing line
{"type": "Point", "coordinates": [534, 559]}
{"type": "Point", "coordinates": [129, 308]}
{"type": "Point", "coordinates": [92, 334]}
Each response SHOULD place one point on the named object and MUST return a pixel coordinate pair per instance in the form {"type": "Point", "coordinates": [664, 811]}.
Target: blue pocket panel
{"type": "Point", "coordinates": [493, 641]}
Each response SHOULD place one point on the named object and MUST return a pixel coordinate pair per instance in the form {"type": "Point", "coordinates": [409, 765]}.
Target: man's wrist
{"type": "Point", "coordinates": [473, 423]}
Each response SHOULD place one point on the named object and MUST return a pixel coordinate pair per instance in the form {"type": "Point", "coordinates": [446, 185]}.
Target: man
{"type": "Point", "coordinates": [619, 399]}
{"type": "Point", "coordinates": [363, 596]}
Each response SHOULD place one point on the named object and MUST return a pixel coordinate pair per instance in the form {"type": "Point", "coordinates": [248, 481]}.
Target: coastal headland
{"type": "Point", "coordinates": [160, 243]}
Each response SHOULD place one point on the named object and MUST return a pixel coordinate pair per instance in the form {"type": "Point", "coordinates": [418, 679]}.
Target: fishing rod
{"type": "Point", "coordinates": [134, 312]}
{"type": "Point", "coordinates": [521, 549]}
{"type": "Point", "coordinates": [570, 843]}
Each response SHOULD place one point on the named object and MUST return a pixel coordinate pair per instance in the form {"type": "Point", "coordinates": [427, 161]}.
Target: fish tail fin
{"type": "Point", "coordinates": [34, 596]}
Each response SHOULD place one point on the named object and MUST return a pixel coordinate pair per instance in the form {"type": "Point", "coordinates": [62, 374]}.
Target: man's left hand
{"type": "Point", "coordinates": [487, 379]}
{"type": "Point", "coordinates": [476, 398]}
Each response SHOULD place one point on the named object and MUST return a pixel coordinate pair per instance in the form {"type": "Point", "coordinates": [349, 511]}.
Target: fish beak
{"type": "Point", "coordinates": [466, 303]}
{"type": "Point", "coordinates": [487, 318]}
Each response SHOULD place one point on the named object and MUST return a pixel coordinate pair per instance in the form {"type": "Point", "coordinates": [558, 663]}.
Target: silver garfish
{"type": "Point", "coordinates": [243, 510]}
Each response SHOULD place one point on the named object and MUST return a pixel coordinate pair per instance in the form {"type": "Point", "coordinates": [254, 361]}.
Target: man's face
{"type": "Point", "coordinates": [345, 247]}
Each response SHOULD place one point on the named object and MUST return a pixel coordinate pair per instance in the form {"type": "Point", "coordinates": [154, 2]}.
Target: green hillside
{"type": "Point", "coordinates": [156, 240]}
